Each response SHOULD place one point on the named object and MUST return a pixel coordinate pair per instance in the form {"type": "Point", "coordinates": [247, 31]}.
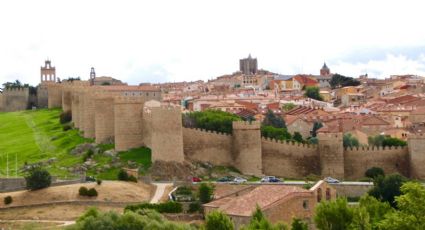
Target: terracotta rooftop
{"type": "Point", "coordinates": [403, 99]}
{"type": "Point", "coordinates": [263, 196]}
{"type": "Point", "coordinates": [305, 80]}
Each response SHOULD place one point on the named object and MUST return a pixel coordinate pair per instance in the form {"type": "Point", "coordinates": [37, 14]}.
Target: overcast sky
{"type": "Point", "coordinates": [158, 41]}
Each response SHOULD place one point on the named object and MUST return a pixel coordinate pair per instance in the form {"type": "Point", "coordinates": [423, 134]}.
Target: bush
{"type": "Point", "coordinates": [132, 178]}
{"type": "Point", "coordinates": [205, 193]}
{"type": "Point", "coordinates": [374, 172]}
{"type": "Point", "coordinates": [83, 191]}
{"type": "Point", "coordinates": [184, 190]}
{"type": "Point", "coordinates": [38, 178]}
{"type": "Point", "coordinates": [7, 200]}
{"type": "Point", "coordinates": [123, 175]}
{"type": "Point", "coordinates": [194, 207]}
{"type": "Point", "coordinates": [66, 127]}
{"type": "Point", "coordinates": [92, 192]}
{"type": "Point", "coordinates": [65, 117]}
{"type": "Point", "coordinates": [88, 155]}
{"type": "Point", "coordinates": [218, 220]}
{"type": "Point", "coordinates": [99, 181]}
{"type": "Point", "coordinates": [167, 207]}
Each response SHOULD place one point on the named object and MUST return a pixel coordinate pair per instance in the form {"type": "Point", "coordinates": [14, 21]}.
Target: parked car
{"type": "Point", "coordinates": [331, 180]}
{"type": "Point", "coordinates": [90, 179]}
{"type": "Point", "coordinates": [226, 179]}
{"type": "Point", "coordinates": [239, 180]}
{"type": "Point", "coordinates": [196, 179]}
{"type": "Point", "coordinates": [270, 179]}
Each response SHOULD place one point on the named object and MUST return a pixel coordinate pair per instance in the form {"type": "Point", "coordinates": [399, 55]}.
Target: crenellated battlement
{"type": "Point", "coordinates": [209, 132]}
{"type": "Point", "coordinates": [380, 149]}
{"type": "Point", "coordinates": [267, 140]}
{"type": "Point", "coordinates": [246, 125]}
{"type": "Point", "coordinates": [16, 91]}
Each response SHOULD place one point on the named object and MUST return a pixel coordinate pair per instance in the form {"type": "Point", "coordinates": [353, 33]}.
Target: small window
{"type": "Point", "coordinates": [305, 204]}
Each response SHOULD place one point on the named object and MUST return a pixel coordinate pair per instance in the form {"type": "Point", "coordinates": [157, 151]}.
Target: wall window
{"type": "Point", "coordinates": [305, 204]}
{"type": "Point", "coordinates": [328, 193]}
{"type": "Point", "coordinates": [319, 194]}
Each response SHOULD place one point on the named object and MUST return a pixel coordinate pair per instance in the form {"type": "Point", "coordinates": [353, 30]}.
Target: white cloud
{"type": "Point", "coordinates": [139, 41]}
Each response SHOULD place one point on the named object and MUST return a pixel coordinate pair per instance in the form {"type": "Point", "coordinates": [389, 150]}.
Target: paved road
{"type": "Point", "coordinates": [160, 189]}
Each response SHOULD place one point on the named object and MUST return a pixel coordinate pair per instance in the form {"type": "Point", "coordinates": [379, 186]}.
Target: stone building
{"type": "Point", "coordinates": [277, 202]}
{"type": "Point", "coordinates": [248, 66]}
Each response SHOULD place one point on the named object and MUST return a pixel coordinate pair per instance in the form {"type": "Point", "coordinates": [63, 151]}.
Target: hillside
{"type": "Point", "coordinates": [37, 136]}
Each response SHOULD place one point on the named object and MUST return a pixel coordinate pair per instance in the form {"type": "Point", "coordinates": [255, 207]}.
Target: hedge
{"type": "Point", "coordinates": [168, 207]}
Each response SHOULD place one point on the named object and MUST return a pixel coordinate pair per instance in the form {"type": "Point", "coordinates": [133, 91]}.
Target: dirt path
{"type": "Point", "coordinates": [160, 189]}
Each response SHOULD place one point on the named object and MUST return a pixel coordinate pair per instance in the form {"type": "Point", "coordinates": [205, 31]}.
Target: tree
{"type": "Point", "coordinates": [361, 219]}
{"type": "Point", "coordinates": [350, 141]}
{"type": "Point", "coordinates": [374, 172]}
{"type": "Point", "coordinates": [333, 215]}
{"type": "Point", "coordinates": [387, 188]}
{"type": "Point", "coordinates": [377, 210]}
{"type": "Point", "coordinates": [298, 224]}
{"type": "Point", "coordinates": [259, 221]}
{"type": "Point", "coordinates": [216, 220]}
{"type": "Point", "coordinates": [316, 126]}
{"type": "Point", "coordinates": [411, 209]}
{"type": "Point", "coordinates": [385, 141]}
{"type": "Point", "coordinates": [275, 133]}
{"type": "Point", "coordinates": [214, 120]}
{"type": "Point", "coordinates": [288, 106]}
{"type": "Point", "coordinates": [273, 120]}
{"type": "Point", "coordinates": [298, 137]}
{"type": "Point", "coordinates": [38, 178]}
{"type": "Point", "coordinates": [338, 81]}
{"type": "Point", "coordinates": [313, 92]}
{"type": "Point", "coordinates": [206, 192]}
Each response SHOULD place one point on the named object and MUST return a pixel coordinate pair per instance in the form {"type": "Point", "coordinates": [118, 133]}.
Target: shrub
{"type": "Point", "coordinates": [88, 155]}
{"type": "Point", "coordinates": [99, 181]}
{"type": "Point", "coordinates": [167, 207]}
{"type": "Point", "coordinates": [132, 178]}
{"type": "Point", "coordinates": [194, 207]}
{"type": "Point", "coordinates": [374, 172]}
{"type": "Point", "coordinates": [7, 200]}
{"type": "Point", "coordinates": [66, 127]}
{"type": "Point", "coordinates": [83, 191]}
{"type": "Point", "coordinates": [38, 178]}
{"type": "Point", "coordinates": [218, 220]}
{"type": "Point", "coordinates": [184, 190]}
{"type": "Point", "coordinates": [92, 192]}
{"type": "Point", "coordinates": [65, 117]}
{"type": "Point", "coordinates": [123, 175]}
{"type": "Point", "coordinates": [205, 193]}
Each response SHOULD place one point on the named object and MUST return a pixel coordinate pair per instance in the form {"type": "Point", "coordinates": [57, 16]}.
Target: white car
{"type": "Point", "coordinates": [331, 180]}
{"type": "Point", "coordinates": [239, 180]}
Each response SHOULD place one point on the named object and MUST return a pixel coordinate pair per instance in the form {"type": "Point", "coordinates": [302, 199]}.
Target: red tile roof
{"type": "Point", "coordinates": [264, 196]}
{"type": "Point", "coordinates": [305, 80]}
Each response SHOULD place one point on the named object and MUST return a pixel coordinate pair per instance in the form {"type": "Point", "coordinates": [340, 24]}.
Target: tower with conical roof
{"type": "Point", "coordinates": [325, 71]}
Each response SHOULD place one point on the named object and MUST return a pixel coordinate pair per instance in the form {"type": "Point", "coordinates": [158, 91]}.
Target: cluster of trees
{"type": "Point", "coordinates": [398, 206]}
{"type": "Point", "coordinates": [386, 141]}
{"type": "Point", "coordinates": [18, 84]}
{"type": "Point", "coordinates": [349, 140]}
{"type": "Point", "coordinates": [214, 120]}
{"type": "Point", "coordinates": [338, 81]}
{"type": "Point", "coordinates": [313, 92]}
{"type": "Point", "coordinates": [274, 126]}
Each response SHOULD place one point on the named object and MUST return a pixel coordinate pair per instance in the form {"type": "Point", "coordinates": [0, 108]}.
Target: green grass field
{"type": "Point", "coordinates": [32, 136]}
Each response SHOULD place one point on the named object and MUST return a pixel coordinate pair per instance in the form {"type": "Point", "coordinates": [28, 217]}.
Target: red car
{"type": "Point", "coordinates": [196, 179]}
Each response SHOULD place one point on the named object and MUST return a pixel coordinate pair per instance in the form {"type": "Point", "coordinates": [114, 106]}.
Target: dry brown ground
{"type": "Point", "coordinates": [116, 191]}
{"type": "Point", "coordinates": [165, 197]}
{"type": "Point", "coordinates": [51, 212]}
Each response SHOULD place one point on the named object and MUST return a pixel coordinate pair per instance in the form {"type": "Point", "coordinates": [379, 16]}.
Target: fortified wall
{"type": "Point", "coordinates": [14, 99]}
{"type": "Point", "coordinates": [132, 116]}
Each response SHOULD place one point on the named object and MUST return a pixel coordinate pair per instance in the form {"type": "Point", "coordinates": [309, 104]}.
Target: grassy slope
{"type": "Point", "coordinates": [34, 136]}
